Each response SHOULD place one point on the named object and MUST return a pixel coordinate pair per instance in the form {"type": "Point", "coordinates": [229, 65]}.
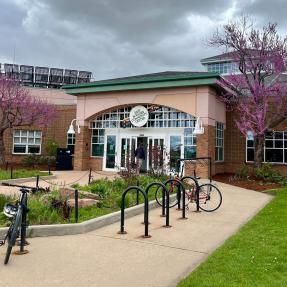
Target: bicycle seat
{"type": "Point", "coordinates": [197, 177]}
{"type": "Point", "coordinates": [9, 210]}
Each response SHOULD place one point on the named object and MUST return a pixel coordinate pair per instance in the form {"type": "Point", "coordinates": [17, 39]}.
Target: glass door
{"type": "Point", "coordinates": [111, 152]}
{"type": "Point", "coordinates": [125, 152]}
{"type": "Point", "coordinates": [175, 151]}
{"type": "Point", "coordinates": [128, 147]}
{"type": "Point", "coordinates": [156, 154]}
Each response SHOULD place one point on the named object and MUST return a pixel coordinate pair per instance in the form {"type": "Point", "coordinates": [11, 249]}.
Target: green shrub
{"type": "Point", "coordinates": [127, 201]}
{"type": "Point", "coordinates": [31, 160]}
{"type": "Point", "coordinates": [267, 173]}
{"type": "Point", "coordinates": [243, 172]}
{"type": "Point", "coordinates": [51, 147]}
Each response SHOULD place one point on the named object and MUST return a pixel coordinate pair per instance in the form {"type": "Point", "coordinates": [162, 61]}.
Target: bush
{"type": "Point", "coordinates": [31, 160]}
{"type": "Point", "coordinates": [243, 172]}
{"type": "Point", "coordinates": [266, 173]}
{"type": "Point", "coordinates": [51, 147]}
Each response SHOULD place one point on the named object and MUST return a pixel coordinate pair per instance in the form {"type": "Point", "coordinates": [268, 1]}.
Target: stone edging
{"type": "Point", "coordinates": [26, 179]}
{"type": "Point", "coordinates": [83, 227]}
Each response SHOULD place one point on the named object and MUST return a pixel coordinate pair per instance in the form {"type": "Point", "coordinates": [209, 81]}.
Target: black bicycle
{"type": "Point", "coordinates": [18, 216]}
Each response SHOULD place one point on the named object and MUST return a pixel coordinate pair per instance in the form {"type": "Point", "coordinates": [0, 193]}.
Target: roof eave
{"type": "Point", "coordinates": [144, 86]}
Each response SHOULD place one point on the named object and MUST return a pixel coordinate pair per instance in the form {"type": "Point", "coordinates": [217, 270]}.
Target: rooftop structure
{"type": "Point", "coordinates": [44, 77]}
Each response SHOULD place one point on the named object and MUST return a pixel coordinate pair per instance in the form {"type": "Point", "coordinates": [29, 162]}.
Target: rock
{"type": "Point", "coordinates": [89, 194]}
{"type": "Point", "coordinates": [67, 192]}
{"type": "Point", "coordinates": [83, 202]}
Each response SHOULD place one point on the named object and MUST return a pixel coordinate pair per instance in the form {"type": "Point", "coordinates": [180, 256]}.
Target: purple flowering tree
{"type": "Point", "coordinates": [257, 91]}
{"type": "Point", "coordinates": [18, 108]}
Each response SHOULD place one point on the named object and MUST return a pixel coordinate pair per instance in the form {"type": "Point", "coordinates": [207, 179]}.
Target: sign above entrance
{"type": "Point", "coordinates": [139, 116]}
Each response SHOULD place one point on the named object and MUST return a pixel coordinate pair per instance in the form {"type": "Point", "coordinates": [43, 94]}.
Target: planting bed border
{"type": "Point", "coordinates": [83, 227]}
{"type": "Point", "coordinates": [26, 179]}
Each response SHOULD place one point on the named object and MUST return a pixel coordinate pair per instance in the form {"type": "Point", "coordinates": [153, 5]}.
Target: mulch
{"type": "Point", "coordinates": [250, 183]}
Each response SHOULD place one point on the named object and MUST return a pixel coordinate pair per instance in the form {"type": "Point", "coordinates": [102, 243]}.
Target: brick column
{"type": "Point", "coordinates": [82, 149]}
{"type": "Point", "coordinates": [205, 146]}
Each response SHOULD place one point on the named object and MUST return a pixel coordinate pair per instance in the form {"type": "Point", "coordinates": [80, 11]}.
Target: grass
{"type": "Point", "coordinates": [41, 212]}
{"type": "Point", "coordinates": [255, 256]}
{"type": "Point", "coordinates": [21, 173]}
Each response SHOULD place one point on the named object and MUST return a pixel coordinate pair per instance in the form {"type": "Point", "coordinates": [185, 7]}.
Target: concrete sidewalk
{"type": "Point", "coordinates": [61, 178]}
{"type": "Point", "coordinates": [105, 258]}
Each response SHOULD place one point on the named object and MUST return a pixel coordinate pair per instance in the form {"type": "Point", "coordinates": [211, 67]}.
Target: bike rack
{"type": "Point", "coordinates": [197, 189]}
{"type": "Point", "coordinates": [201, 161]}
{"type": "Point", "coordinates": [146, 210]}
{"type": "Point", "coordinates": [165, 200]}
{"type": "Point", "coordinates": [180, 189]}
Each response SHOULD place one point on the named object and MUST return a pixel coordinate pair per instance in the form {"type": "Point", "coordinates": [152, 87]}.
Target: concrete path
{"type": "Point", "coordinates": [106, 259]}
{"type": "Point", "coordinates": [61, 178]}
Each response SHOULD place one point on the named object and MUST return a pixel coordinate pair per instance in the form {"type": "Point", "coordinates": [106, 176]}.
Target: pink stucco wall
{"type": "Point", "coordinates": [197, 101]}
{"type": "Point", "coordinates": [54, 96]}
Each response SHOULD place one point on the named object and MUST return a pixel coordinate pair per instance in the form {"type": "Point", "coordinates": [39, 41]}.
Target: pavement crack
{"type": "Point", "coordinates": [151, 243]}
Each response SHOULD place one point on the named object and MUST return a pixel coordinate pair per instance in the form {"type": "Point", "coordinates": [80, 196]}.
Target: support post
{"type": "Point", "coordinates": [163, 202]}
{"type": "Point", "coordinates": [11, 172]}
{"type": "Point", "coordinates": [90, 176]}
{"type": "Point", "coordinates": [37, 181]}
{"type": "Point", "coordinates": [76, 205]}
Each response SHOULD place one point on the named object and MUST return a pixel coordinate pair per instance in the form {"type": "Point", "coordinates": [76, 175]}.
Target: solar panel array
{"type": "Point", "coordinates": [44, 76]}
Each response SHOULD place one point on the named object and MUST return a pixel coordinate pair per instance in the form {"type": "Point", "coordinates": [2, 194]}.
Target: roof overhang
{"type": "Point", "coordinates": [159, 83]}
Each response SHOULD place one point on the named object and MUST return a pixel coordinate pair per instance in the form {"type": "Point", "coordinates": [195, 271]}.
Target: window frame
{"type": "Point", "coordinates": [27, 143]}
{"type": "Point", "coordinates": [283, 148]}
{"type": "Point", "coordinates": [219, 127]}
{"type": "Point", "coordinates": [102, 143]}
{"type": "Point", "coordinates": [73, 139]}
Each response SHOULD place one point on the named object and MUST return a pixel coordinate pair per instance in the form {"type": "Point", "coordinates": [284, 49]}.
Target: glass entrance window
{"type": "Point", "coordinates": [125, 152]}
{"type": "Point", "coordinates": [175, 151]}
{"type": "Point", "coordinates": [111, 152]}
{"type": "Point", "coordinates": [156, 153]}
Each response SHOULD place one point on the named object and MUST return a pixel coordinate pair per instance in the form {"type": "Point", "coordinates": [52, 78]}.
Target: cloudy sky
{"type": "Point", "coordinates": [114, 38]}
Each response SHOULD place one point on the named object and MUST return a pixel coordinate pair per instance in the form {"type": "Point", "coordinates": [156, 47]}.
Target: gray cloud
{"type": "Point", "coordinates": [114, 38]}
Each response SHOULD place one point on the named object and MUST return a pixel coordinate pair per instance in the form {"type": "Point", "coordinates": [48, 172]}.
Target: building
{"type": "Point", "coordinates": [222, 64]}
{"type": "Point", "coordinates": [22, 141]}
{"type": "Point", "coordinates": [169, 102]}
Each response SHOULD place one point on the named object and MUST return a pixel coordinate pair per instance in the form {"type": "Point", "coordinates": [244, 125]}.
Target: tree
{"type": "Point", "coordinates": [19, 109]}
{"type": "Point", "coordinates": [258, 93]}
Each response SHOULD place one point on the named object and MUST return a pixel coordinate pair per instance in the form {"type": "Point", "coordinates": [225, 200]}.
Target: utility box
{"type": "Point", "coordinates": [64, 159]}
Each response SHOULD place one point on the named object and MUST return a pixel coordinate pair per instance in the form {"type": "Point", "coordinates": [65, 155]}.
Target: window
{"type": "Point", "coordinates": [71, 142]}
{"type": "Point", "coordinates": [189, 143]}
{"type": "Point", "coordinates": [98, 139]}
{"type": "Point", "coordinates": [275, 148]}
{"type": "Point", "coordinates": [160, 117]}
{"type": "Point", "coordinates": [219, 142]}
{"type": "Point", "coordinates": [27, 142]}
{"type": "Point", "coordinates": [175, 148]}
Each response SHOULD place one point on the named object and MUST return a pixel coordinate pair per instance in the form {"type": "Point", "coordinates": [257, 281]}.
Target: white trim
{"type": "Point", "coordinates": [27, 145]}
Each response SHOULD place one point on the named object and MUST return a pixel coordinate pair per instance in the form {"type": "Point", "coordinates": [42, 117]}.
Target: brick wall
{"type": "Point", "coordinates": [57, 131]}
{"type": "Point", "coordinates": [235, 146]}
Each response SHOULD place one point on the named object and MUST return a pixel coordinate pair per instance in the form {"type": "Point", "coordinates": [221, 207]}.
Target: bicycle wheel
{"type": "Point", "coordinates": [210, 197]}
{"type": "Point", "coordinates": [189, 184]}
{"type": "Point", "coordinates": [173, 200]}
{"type": "Point", "coordinates": [13, 234]}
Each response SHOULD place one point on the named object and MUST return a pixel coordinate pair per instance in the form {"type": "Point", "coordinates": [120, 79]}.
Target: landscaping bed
{"type": "Point", "coordinates": [52, 207]}
{"type": "Point", "coordinates": [248, 183]}
{"type": "Point", "coordinates": [255, 256]}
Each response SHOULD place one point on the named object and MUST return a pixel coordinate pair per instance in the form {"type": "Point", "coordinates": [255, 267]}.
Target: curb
{"type": "Point", "coordinates": [83, 227]}
{"type": "Point", "coordinates": [26, 179]}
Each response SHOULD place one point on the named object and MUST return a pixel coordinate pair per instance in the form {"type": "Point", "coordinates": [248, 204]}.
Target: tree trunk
{"type": "Point", "coordinates": [2, 149]}
{"type": "Point", "coordinates": [259, 148]}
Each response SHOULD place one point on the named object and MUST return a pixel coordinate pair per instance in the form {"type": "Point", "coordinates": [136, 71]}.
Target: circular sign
{"type": "Point", "coordinates": [138, 116]}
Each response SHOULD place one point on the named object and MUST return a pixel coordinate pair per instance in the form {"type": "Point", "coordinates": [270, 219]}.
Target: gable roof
{"type": "Point", "coordinates": [165, 79]}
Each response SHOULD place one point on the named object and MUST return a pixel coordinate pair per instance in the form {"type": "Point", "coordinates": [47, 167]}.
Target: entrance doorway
{"type": "Point", "coordinates": [142, 141]}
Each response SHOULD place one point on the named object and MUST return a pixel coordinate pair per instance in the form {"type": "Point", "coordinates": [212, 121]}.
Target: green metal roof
{"type": "Point", "coordinates": [148, 81]}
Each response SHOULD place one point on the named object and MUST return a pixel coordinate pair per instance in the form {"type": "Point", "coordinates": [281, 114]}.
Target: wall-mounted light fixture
{"type": "Point", "coordinates": [71, 128]}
